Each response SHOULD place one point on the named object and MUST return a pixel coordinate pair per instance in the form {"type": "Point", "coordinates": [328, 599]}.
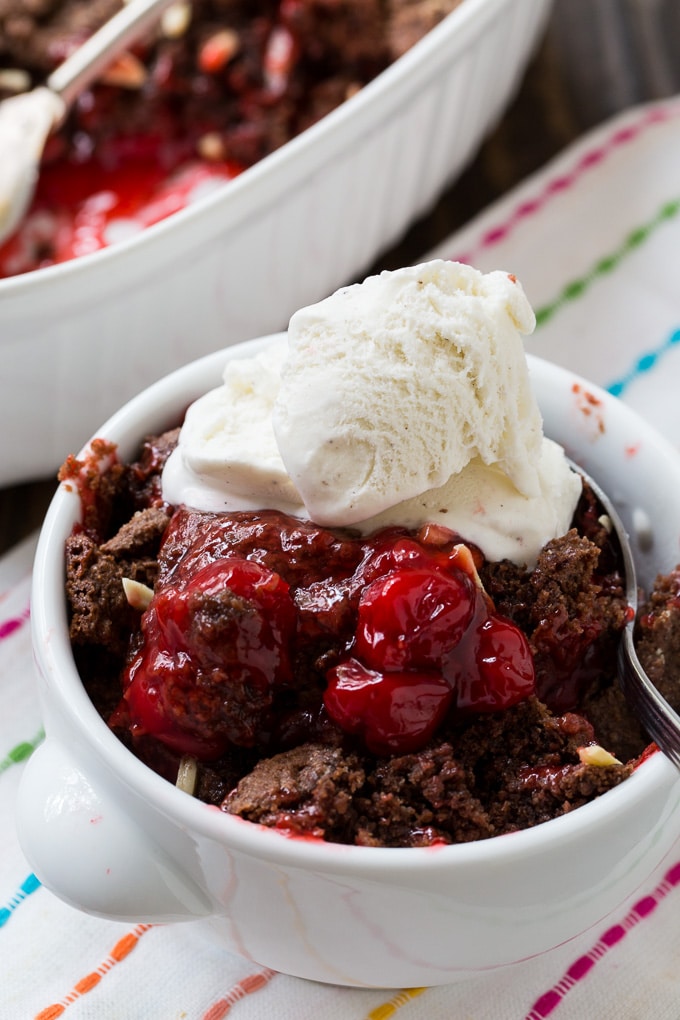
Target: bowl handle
{"type": "Point", "coordinates": [84, 849]}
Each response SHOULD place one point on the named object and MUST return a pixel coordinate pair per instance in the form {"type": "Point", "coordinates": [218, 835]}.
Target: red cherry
{"type": "Point", "coordinates": [391, 550]}
{"type": "Point", "coordinates": [394, 713]}
{"type": "Point", "coordinates": [410, 619]}
{"type": "Point", "coordinates": [256, 637]}
{"type": "Point", "coordinates": [212, 654]}
{"type": "Point", "coordinates": [149, 713]}
{"type": "Point", "coordinates": [499, 672]}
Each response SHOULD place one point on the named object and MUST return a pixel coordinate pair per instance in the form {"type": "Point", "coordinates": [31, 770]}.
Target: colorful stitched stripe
{"type": "Point", "coordinates": [575, 289]}
{"type": "Point", "coordinates": [28, 886]}
{"type": "Point", "coordinates": [582, 967]}
{"type": "Point", "coordinates": [644, 364]}
{"type": "Point", "coordinates": [119, 952]}
{"type": "Point", "coordinates": [557, 185]}
{"type": "Point", "coordinates": [8, 627]}
{"type": "Point", "coordinates": [250, 984]}
{"type": "Point", "coordinates": [20, 752]}
{"type": "Point", "coordinates": [388, 1009]}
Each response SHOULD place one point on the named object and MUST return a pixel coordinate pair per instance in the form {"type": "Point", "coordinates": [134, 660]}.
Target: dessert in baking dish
{"type": "Point", "coordinates": [219, 85]}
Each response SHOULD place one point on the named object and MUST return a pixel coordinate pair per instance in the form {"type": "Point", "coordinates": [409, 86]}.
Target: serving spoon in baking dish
{"type": "Point", "coordinates": [655, 715]}
{"type": "Point", "coordinates": [27, 120]}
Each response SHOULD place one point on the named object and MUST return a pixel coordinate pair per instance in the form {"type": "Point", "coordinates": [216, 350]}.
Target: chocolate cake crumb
{"type": "Point", "coordinates": [422, 799]}
{"type": "Point", "coordinates": [140, 536]}
{"type": "Point", "coordinates": [658, 637]}
{"type": "Point", "coordinates": [494, 774]}
{"type": "Point", "coordinates": [307, 790]}
{"type": "Point", "coordinates": [99, 611]}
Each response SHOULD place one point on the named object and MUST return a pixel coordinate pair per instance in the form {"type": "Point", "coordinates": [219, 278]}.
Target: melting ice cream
{"type": "Point", "coordinates": [401, 400]}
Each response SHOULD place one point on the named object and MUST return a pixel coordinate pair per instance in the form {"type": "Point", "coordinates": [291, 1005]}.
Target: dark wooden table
{"type": "Point", "coordinates": [597, 58]}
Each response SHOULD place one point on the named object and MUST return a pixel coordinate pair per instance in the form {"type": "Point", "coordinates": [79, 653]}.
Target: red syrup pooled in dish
{"type": "Point", "coordinates": [383, 635]}
{"type": "Point", "coordinates": [82, 207]}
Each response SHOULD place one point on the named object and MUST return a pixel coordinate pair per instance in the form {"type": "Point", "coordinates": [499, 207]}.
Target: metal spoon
{"type": "Point", "coordinates": [27, 120]}
{"type": "Point", "coordinates": [656, 716]}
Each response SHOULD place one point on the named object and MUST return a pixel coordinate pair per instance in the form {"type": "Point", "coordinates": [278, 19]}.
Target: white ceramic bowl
{"type": "Point", "coordinates": [79, 339]}
{"type": "Point", "coordinates": [111, 837]}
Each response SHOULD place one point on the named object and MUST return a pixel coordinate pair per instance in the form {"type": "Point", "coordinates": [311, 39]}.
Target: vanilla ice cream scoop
{"type": "Point", "coordinates": [481, 504]}
{"type": "Point", "coordinates": [227, 457]}
{"type": "Point", "coordinates": [403, 400]}
{"type": "Point", "coordinates": [394, 385]}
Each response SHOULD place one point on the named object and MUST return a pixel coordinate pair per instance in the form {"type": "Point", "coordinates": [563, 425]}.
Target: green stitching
{"type": "Point", "coordinates": [21, 751]}
{"type": "Point", "coordinates": [575, 289]}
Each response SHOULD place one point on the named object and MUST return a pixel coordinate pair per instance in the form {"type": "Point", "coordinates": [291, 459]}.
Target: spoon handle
{"type": "Point", "coordinates": [86, 63]}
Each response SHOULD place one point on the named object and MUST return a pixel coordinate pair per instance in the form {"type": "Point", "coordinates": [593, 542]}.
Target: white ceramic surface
{"type": "Point", "coordinates": [79, 339]}
{"type": "Point", "coordinates": [111, 837]}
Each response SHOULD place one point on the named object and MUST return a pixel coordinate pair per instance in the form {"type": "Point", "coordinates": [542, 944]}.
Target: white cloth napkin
{"type": "Point", "coordinates": [594, 238]}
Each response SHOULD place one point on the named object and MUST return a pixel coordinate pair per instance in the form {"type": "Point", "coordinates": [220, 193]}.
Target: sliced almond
{"type": "Point", "coordinates": [14, 79]}
{"type": "Point", "coordinates": [138, 595]}
{"type": "Point", "coordinates": [126, 72]}
{"type": "Point", "coordinates": [187, 774]}
{"type": "Point", "coordinates": [606, 522]}
{"type": "Point", "coordinates": [593, 754]}
{"type": "Point", "coordinates": [176, 20]}
{"type": "Point", "coordinates": [461, 557]}
{"type": "Point", "coordinates": [211, 147]}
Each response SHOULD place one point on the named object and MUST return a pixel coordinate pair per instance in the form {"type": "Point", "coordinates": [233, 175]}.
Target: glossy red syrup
{"type": "Point", "coordinates": [394, 630]}
{"type": "Point", "coordinates": [82, 207]}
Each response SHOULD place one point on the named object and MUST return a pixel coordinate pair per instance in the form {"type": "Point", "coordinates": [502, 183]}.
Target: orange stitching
{"type": "Point", "coordinates": [249, 984]}
{"type": "Point", "coordinates": [51, 1013]}
{"type": "Point", "coordinates": [121, 949]}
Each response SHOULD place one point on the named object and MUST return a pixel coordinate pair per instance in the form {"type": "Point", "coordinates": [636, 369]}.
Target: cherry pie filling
{"type": "Point", "coordinates": [381, 636]}
{"type": "Point", "coordinates": [395, 689]}
{"type": "Point", "coordinates": [212, 93]}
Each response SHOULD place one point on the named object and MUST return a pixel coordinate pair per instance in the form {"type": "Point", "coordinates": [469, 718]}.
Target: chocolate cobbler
{"type": "Point", "coordinates": [216, 87]}
{"type": "Point", "coordinates": [391, 690]}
